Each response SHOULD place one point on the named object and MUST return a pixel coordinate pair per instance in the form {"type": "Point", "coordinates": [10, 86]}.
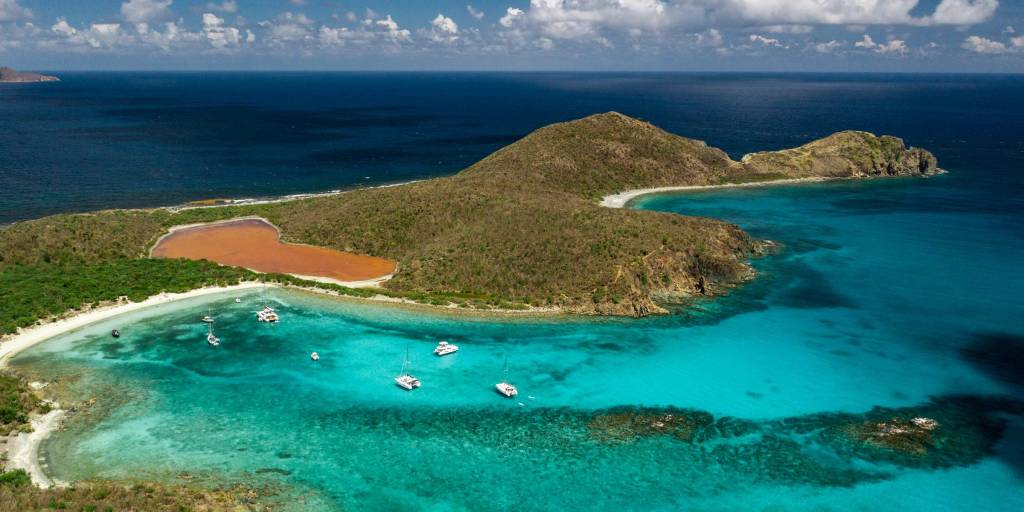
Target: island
{"type": "Point", "coordinates": [11, 75]}
{"type": "Point", "coordinates": [522, 229]}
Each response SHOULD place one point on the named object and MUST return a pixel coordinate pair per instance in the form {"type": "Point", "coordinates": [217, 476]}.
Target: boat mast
{"type": "Point", "coordinates": [405, 362]}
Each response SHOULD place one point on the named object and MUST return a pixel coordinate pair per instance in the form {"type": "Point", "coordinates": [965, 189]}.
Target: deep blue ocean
{"type": "Point", "coordinates": [888, 299]}
{"type": "Point", "coordinates": [101, 140]}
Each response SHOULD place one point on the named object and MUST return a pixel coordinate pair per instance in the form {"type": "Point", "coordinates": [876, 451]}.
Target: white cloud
{"type": "Point", "coordinates": [828, 47]}
{"type": "Point", "coordinates": [142, 11]}
{"type": "Point", "coordinates": [220, 37]}
{"type": "Point", "coordinates": [10, 10]}
{"type": "Point", "coordinates": [963, 12]}
{"type": "Point", "coordinates": [443, 29]}
{"type": "Point", "coordinates": [892, 47]}
{"type": "Point", "coordinates": [225, 6]}
{"type": "Point", "coordinates": [445, 24]}
{"type": "Point", "coordinates": [979, 44]}
{"type": "Point", "coordinates": [591, 18]}
{"type": "Point", "coordinates": [988, 46]}
{"type": "Point", "coordinates": [351, 16]}
{"type": "Point", "coordinates": [479, 15]}
{"type": "Point", "coordinates": [298, 2]}
{"type": "Point", "coordinates": [512, 14]}
{"type": "Point", "coordinates": [390, 27]}
{"type": "Point", "coordinates": [97, 36]}
{"type": "Point", "coordinates": [764, 41]}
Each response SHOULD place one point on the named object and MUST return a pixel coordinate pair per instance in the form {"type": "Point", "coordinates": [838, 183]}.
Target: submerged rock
{"type": "Point", "coordinates": [912, 436]}
{"type": "Point", "coordinates": [630, 425]}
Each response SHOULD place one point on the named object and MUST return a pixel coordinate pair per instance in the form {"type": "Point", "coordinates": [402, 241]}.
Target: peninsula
{"type": "Point", "coordinates": [10, 75]}
{"type": "Point", "coordinates": [523, 227]}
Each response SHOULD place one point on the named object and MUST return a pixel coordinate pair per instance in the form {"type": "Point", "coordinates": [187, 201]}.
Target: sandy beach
{"type": "Point", "coordinates": [621, 199]}
{"type": "Point", "coordinates": [255, 244]}
{"type": "Point", "coordinates": [23, 450]}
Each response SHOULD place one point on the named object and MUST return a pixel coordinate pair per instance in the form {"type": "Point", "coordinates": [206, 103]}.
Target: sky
{"type": "Point", "coordinates": [515, 35]}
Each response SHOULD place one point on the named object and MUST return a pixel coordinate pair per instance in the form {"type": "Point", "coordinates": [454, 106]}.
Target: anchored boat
{"type": "Point", "coordinates": [444, 348]}
{"type": "Point", "coordinates": [210, 338]}
{"type": "Point", "coordinates": [267, 315]}
{"type": "Point", "coordinates": [505, 388]}
{"type": "Point", "coordinates": [405, 380]}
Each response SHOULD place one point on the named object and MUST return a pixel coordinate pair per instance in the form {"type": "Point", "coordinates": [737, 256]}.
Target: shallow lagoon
{"type": "Point", "coordinates": [886, 294]}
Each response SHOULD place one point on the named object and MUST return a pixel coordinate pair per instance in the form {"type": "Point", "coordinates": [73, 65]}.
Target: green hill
{"type": "Point", "coordinates": [522, 226]}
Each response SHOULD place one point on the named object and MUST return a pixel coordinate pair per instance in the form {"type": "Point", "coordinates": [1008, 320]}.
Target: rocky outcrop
{"type": "Point", "coordinates": [849, 154]}
{"type": "Point", "coordinates": [10, 75]}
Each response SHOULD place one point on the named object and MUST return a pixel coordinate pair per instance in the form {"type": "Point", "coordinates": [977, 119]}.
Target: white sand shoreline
{"type": "Point", "coordinates": [23, 449]}
{"type": "Point", "coordinates": [621, 199]}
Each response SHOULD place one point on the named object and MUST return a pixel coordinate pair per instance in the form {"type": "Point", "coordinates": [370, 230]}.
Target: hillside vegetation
{"type": "Point", "coordinates": [522, 226]}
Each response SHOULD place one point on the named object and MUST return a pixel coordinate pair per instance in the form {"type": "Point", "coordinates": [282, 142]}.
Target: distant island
{"type": "Point", "coordinates": [522, 229]}
{"type": "Point", "coordinates": [11, 75]}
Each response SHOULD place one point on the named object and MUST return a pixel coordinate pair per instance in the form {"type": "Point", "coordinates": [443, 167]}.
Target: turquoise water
{"type": "Point", "coordinates": [888, 299]}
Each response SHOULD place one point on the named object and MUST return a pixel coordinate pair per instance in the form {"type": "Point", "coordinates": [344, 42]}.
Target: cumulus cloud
{"type": "Point", "coordinates": [223, 38]}
{"type": "Point", "coordinates": [589, 18]}
{"type": "Point", "coordinates": [476, 14]}
{"type": "Point", "coordinates": [512, 15]}
{"type": "Point", "coordinates": [97, 36]}
{"type": "Point", "coordinates": [988, 46]}
{"type": "Point", "coordinates": [828, 47]}
{"type": "Point", "coordinates": [963, 12]}
{"type": "Point", "coordinates": [894, 46]}
{"type": "Point", "coordinates": [142, 11]}
{"type": "Point", "coordinates": [764, 41]}
{"type": "Point", "coordinates": [443, 29]}
{"type": "Point", "coordinates": [10, 10]}
{"type": "Point", "coordinates": [445, 24]}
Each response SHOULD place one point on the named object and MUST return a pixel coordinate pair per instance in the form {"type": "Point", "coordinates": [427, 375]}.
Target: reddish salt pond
{"type": "Point", "coordinates": [255, 244]}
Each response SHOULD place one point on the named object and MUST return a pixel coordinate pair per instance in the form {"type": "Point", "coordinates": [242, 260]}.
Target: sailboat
{"type": "Point", "coordinates": [207, 318]}
{"type": "Point", "coordinates": [505, 387]}
{"type": "Point", "coordinates": [405, 380]}
{"type": "Point", "coordinates": [210, 338]}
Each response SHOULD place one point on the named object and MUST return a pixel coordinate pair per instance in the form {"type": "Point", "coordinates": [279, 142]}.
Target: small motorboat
{"type": "Point", "coordinates": [444, 348]}
{"type": "Point", "coordinates": [115, 333]}
{"type": "Point", "coordinates": [405, 380]}
{"type": "Point", "coordinates": [207, 318]}
{"type": "Point", "coordinates": [314, 356]}
{"type": "Point", "coordinates": [237, 300]}
{"type": "Point", "coordinates": [267, 315]}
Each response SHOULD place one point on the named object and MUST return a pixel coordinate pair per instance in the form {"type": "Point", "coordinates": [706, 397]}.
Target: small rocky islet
{"type": "Point", "coordinates": [13, 76]}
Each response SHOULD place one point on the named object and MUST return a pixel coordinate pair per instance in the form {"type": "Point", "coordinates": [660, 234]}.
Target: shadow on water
{"type": "Point", "coordinates": [999, 355]}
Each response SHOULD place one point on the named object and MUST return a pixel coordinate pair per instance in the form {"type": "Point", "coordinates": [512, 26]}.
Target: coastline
{"type": "Point", "coordinates": [22, 450]}
{"type": "Point", "coordinates": [622, 199]}
{"type": "Point", "coordinates": [248, 201]}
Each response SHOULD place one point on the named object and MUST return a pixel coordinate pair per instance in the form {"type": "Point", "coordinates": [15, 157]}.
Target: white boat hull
{"type": "Point", "coordinates": [507, 390]}
{"type": "Point", "coordinates": [407, 382]}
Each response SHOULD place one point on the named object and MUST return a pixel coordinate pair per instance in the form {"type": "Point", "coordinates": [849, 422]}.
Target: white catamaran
{"type": "Point", "coordinates": [405, 380]}
{"type": "Point", "coordinates": [505, 387]}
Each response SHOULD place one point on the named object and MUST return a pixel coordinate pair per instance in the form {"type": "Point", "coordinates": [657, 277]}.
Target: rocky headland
{"type": "Point", "coordinates": [11, 75]}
